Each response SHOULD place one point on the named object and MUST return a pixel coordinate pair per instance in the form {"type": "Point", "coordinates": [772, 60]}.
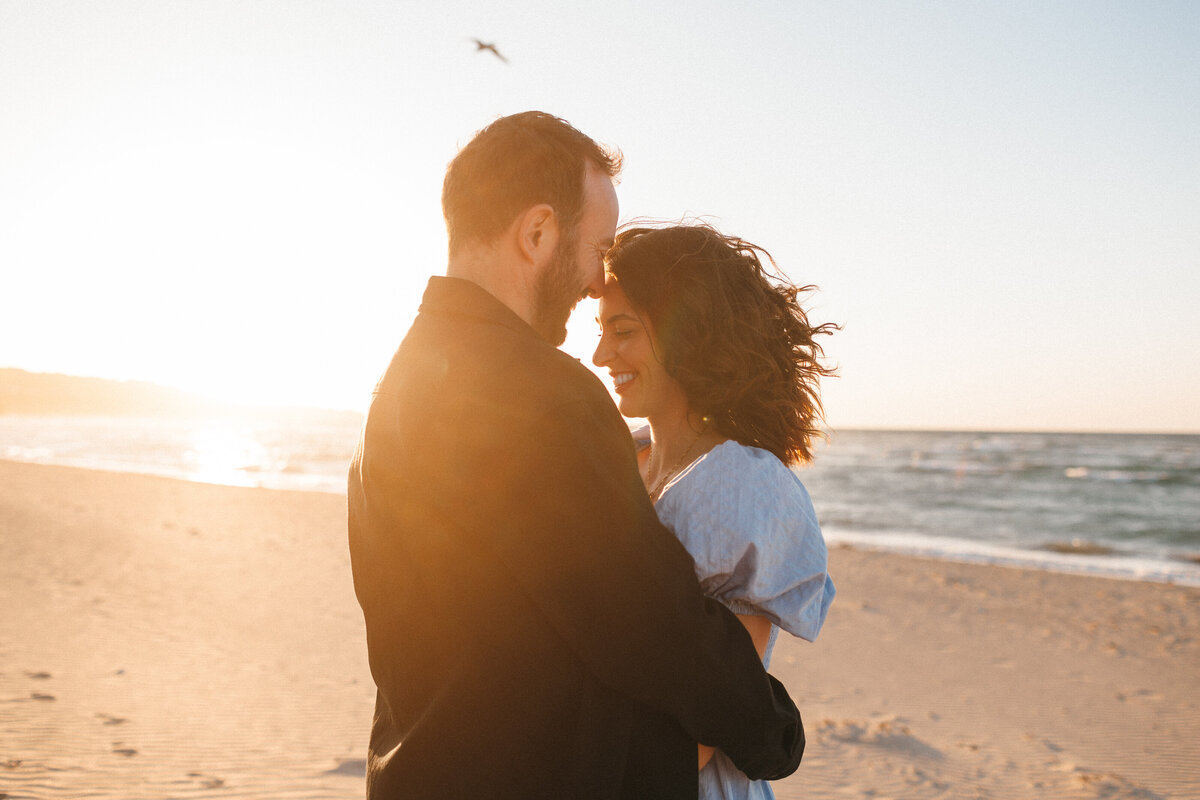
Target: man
{"type": "Point", "coordinates": [532, 630]}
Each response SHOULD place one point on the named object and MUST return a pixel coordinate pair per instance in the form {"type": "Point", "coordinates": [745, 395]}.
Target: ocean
{"type": "Point", "coordinates": [1124, 505]}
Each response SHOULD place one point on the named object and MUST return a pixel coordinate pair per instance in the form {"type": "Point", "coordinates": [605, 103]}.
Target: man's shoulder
{"type": "Point", "coordinates": [565, 392]}
{"type": "Point", "coordinates": [570, 381]}
{"type": "Point", "coordinates": [508, 364]}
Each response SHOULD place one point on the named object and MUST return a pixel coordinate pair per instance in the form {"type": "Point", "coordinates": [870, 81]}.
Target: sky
{"type": "Point", "coordinates": [1000, 201]}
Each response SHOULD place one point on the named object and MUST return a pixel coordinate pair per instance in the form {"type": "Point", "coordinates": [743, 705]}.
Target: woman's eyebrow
{"type": "Point", "coordinates": [616, 318]}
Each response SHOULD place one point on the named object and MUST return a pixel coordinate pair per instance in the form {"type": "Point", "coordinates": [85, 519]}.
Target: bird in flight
{"type": "Point", "coordinates": [480, 46]}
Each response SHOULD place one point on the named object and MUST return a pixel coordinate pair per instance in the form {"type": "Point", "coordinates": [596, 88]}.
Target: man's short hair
{"type": "Point", "coordinates": [513, 164]}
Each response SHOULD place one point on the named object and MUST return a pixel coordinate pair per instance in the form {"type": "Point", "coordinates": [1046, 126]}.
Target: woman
{"type": "Point", "coordinates": [723, 364]}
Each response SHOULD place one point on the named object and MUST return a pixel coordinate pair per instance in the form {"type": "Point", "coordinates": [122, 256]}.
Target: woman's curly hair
{"type": "Point", "coordinates": [732, 333]}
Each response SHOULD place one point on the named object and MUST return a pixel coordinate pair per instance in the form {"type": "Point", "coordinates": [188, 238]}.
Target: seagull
{"type": "Point", "coordinates": [480, 46]}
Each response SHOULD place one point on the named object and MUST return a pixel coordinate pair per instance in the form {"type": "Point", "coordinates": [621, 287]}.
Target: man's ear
{"type": "Point", "coordinates": [537, 233]}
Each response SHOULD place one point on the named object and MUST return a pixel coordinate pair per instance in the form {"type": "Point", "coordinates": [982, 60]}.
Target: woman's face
{"type": "Point", "coordinates": [630, 352]}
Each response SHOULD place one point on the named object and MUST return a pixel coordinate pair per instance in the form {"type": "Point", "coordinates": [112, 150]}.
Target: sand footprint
{"type": "Point", "coordinates": [353, 767]}
{"type": "Point", "coordinates": [889, 733]}
{"type": "Point", "coordinates": [1085, 783]}
{"type": "Point", "coordinates": [900, 763]}
{"type": "Point", "coordinates": [207, 781]}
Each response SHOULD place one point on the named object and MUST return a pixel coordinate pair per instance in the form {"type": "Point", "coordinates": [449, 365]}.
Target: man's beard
{"type": "Point", "coordinates": [556, 291]}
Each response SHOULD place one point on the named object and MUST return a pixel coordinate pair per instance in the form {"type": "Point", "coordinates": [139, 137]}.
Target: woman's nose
{"type": "Point", "coordinates": [601, 354]}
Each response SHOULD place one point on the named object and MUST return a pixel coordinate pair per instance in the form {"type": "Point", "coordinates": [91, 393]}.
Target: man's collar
{"type": "Point", "coordinates": [446, 295]}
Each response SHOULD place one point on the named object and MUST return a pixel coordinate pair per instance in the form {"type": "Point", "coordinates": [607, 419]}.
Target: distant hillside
{"type": "Point", "coordinates": [32, 393]}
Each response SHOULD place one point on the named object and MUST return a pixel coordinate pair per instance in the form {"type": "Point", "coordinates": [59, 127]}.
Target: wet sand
{"type": "Point", "coordinates": [166, 639]}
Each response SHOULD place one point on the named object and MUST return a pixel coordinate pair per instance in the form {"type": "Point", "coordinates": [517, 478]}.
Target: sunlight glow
{"type": "Point", "coordinates": [243, 199]}
{"type": "Point", "coordinates": [222, 454]}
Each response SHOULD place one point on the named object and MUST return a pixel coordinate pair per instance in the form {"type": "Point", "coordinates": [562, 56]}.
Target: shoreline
{"type": "Point", "coordinates": [163, 637]}
{"type": "Point", "coordinates": [1117, 564]}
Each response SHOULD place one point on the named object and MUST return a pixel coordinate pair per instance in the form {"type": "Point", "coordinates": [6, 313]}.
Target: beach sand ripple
{"type": "Point", "coordinates": [176, 639]}
{"type": "Point", "coordinates": [933, 679]}
{"type": "Point", "coordinates": [162, 639]}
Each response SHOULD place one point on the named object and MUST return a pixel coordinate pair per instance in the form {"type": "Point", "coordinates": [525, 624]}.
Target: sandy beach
{"type": "Point", "coordinates": [164, 639]}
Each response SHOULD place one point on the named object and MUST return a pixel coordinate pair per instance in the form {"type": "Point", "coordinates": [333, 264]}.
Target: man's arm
{"type": "Point", "coordinates": [759, 629]}
{"type": "Point", "coordinates": [583, 541]}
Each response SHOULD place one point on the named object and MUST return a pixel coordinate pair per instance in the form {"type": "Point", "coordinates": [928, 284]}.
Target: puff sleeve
{"type": "Point", "coordinates": [750, 526]}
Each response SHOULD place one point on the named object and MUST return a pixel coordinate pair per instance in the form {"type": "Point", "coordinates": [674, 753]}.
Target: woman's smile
{"type": "Point", "coordinates": [621, 380]}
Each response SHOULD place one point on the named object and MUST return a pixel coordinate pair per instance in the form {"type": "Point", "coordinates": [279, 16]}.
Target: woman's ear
{"type": "Point", "coordinates": [537, 234]}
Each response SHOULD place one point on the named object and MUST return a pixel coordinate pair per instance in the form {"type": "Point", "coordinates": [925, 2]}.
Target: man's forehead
{"type": "Point", "coordinates": [599, 188]}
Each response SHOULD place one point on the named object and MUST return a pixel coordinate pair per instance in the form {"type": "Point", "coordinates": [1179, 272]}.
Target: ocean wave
{"type": "Point", "coordinates": [1178, 568]}
{"type": "Point", "coordinates": [1168, 477]}
{"type": "Point", "coordinates": [1135, 495]}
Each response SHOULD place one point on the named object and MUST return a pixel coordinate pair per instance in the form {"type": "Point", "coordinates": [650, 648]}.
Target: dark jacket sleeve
{"type": "Point", "coordinates": [581, 538]}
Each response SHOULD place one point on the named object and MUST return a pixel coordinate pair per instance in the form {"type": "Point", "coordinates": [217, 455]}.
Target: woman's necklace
{"type": "Point", "coordinates": [654, 494]}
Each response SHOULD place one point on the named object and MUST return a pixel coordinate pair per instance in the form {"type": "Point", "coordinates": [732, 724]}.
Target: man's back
{"type": "Point", "coordinates": [512, 574]}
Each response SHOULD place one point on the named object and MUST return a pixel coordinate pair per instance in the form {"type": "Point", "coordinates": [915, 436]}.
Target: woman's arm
{"type": "Point", "coordinates": [759, 629]}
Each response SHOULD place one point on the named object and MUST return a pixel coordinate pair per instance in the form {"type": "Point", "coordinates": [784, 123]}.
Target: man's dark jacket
{"type": "Point", "coordinates": [532, 629]}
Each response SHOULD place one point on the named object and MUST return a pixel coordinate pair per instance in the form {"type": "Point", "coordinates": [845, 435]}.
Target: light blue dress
{"type": "Point", "coordinates": [749, 524]}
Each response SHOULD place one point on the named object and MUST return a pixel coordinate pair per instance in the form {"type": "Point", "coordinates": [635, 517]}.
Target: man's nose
{"type": "Point", "coordinates": [596, 287]}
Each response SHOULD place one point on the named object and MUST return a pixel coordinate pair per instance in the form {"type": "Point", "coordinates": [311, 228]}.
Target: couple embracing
{"type": "Point", "coordinates": [552, 611]}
